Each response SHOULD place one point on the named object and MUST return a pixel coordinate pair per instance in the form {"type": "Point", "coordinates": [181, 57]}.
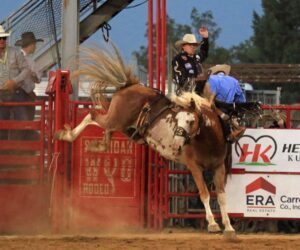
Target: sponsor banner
{"type": "Point", "coordinates": [262, 195]}
{"type": "Point", "coordinates": [268, 150]}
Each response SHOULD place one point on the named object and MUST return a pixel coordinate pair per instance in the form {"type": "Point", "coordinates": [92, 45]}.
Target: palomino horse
{"type": "Point", "coordinates": [191, 136]}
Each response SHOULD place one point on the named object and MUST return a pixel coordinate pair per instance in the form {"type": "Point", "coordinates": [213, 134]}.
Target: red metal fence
{"type": "Point", "coordinates": [92, 190]}
{"type": "Point", "coordinates": [84, 189]}
{"type": "Point", "coordinates": [22, 174]}
{"type": "Point", "coordinates": [107, 189]}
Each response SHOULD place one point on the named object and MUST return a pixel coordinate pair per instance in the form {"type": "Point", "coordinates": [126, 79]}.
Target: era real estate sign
{"type": "Point", "coordinates": [262, 195]}
{"type": "Point", "coordinates": [266, 174]}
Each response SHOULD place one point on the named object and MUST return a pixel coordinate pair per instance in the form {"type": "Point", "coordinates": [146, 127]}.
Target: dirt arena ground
{"type": "Point", "coordinates": [168, 239]}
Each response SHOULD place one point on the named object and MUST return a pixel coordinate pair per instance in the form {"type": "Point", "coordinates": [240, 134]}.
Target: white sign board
{"type": "Point", "coordinates": [263, 195]}
{"type": "Point", "coordinates": [267, 150]}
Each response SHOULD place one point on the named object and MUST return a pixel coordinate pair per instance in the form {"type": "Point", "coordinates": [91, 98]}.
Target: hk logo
{"type": "Point", "coordinates": [260, 194]}
{"type": "Point", "coordinates": [256, 152]}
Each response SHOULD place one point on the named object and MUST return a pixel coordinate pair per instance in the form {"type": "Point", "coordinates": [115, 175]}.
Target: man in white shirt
{"type": "Point", "coordinates": [13, 71]}
{"type": "Point", "coordinates": [28, 47]}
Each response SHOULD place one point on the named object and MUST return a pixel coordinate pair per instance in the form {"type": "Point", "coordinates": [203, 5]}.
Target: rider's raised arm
{"type": "Point", "coordinates": [204, 47]}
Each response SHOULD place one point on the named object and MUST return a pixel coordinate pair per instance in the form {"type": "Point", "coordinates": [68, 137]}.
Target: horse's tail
{"type": "Point", "coordinates": [104, 69]}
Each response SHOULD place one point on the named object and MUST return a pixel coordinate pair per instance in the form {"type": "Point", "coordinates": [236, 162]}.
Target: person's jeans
{"type": "Point", "coordinates": [4, 115]}
{"type": "Point", "coordinates": [18, 113]}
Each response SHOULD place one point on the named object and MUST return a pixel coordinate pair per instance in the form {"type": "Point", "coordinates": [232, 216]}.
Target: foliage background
{"type": "Point", "coordinates": [275, 39]}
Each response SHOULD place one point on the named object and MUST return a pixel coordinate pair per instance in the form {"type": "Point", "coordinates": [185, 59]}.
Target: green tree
{"type": "Point", "coordinates": [176, 31]}
{"type": "Point", "coordinates": [276, 34]}
{"type": "Point", "coordinates": [245, 52]}
{"type": "Point", "coordinates": [216, 54]}
{"type": "Point", "coordinates": [275, 40]}
{"type": "Point", "coordinates": [205, 19]}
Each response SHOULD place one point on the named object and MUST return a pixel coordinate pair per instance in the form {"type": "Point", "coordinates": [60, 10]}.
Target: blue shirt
{"type": "Point", "coordinates": [226, 88]}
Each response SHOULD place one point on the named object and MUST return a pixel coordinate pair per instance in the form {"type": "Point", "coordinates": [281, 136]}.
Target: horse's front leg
{"type": "Point", "coordinates": [204, 196]}
{"type": "Point", "coordinates": [219, 180]}
{"type": "Point", "coordinates": [67, 134]}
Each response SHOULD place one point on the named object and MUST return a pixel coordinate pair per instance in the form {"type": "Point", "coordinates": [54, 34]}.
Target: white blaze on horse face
{"type": "Point", "coordinates": [185, 120]}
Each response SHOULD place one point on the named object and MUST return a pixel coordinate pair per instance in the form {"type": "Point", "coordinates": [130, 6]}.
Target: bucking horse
{"type": "Point", "coordinates": [190, 133]}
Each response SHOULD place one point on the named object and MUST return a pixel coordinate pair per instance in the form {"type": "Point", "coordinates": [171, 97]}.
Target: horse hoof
{"type": "Point", "coordinates": [63, 135]}
{"type": "Point", "coordinates": [214, 228]}
{"type": "Point", "coordinates": [230, 235]}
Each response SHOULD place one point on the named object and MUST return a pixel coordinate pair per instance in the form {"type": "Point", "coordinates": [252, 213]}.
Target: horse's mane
{"type": "Point", "coordinates": [104, 68]}
{"type": "Point", "coordinates": [184, 100]}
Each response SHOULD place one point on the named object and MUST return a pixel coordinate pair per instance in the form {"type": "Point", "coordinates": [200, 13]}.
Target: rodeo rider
{"type": "Point", "coordinates": [187, 65]}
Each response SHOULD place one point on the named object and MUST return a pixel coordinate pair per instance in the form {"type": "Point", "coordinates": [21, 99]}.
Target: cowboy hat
{"type": "Point", "coordinates": [187, 39]}
{"type": "Point", "coordinates": [225, 68]}
{"type": "Point", "coordinates": [3, 33]}
{"type": "Point", "coordinates": [27, 38]}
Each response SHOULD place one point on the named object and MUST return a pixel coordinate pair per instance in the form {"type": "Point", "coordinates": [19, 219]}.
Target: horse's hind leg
{"type": "Point", "coordinates": [69, 135]}
{"type": "Point", "coordinates": [114, 118]}
{"type": "Point", "coordinates": [204, 196]}
{"type": "Point", "coordinates": [219, 180]}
